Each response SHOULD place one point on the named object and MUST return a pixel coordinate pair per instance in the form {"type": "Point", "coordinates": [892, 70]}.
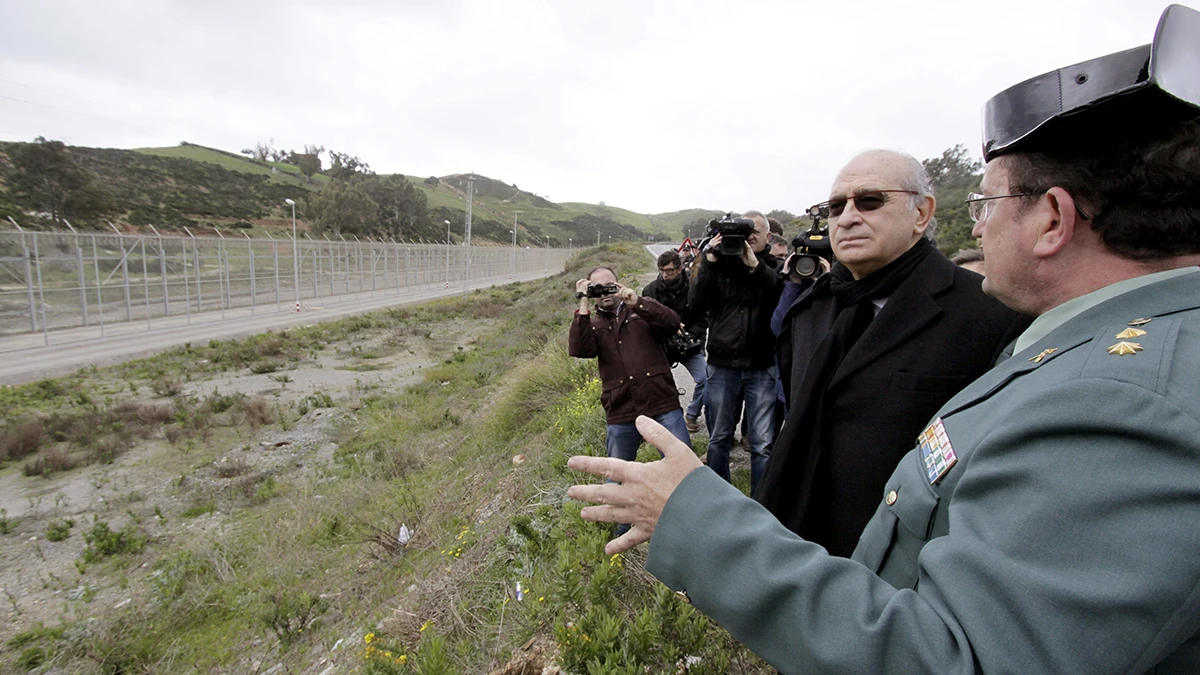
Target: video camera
{"type": "Point", "coordinates": [681, 346]}
{"type": "Point", "coordinates": [733, 232]}
{"type": "Point", "coordinates": [812, 246]}
{"type": "Point", "coordinates": [597, 291]}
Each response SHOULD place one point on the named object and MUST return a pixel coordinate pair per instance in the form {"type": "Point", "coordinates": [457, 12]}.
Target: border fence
{"type": "Point", "coordinates": [55, 280]}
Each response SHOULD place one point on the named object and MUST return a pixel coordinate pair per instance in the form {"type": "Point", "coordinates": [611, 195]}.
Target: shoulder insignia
{"type": "Point", "coordinates": [1043, 354]}
{"type": "Point", "coordinates": [1139, 322]}
{"type": "Point", "coordinates": [1130, 333]}
{"type": "Point", "coordinates": [1125, 349]}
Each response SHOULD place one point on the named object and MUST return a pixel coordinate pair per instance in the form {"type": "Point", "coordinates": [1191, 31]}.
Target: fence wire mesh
{"type": "Point", "coordinates": [55, 280]}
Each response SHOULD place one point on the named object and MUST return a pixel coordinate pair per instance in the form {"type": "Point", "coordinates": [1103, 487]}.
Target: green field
{"type": "Point", "coordinates": [287, 174]}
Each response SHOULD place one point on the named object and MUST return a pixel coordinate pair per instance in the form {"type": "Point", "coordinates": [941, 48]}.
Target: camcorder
{"type": "Point", "coordinates": [733, 232]}
{"type": "Point", "coordinates": [681, 346]}
{"type": "Point", "coordinates": [597, 291]}
{"type": "Point", "coordinates": [812, 246]}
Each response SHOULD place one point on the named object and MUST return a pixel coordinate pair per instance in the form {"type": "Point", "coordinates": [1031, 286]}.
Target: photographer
{"type": "Point", "coordinates": [624, 335]}
{"type": "Point", "coordinates": [671, 289]}
{"type": "Point", "coordinates": [736, 289]}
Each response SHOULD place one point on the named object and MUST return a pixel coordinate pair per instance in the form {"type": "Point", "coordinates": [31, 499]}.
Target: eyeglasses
{"type": "Point", "coordinates": [979, 207]}
{"type": "Point", "coordinates": [870, 200]}
{"type": "Point", "coordinates": [668, 270]}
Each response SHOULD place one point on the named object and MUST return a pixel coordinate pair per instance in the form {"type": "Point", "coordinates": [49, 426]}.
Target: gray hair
{"type": "Point", "coordinates": [912, 177]}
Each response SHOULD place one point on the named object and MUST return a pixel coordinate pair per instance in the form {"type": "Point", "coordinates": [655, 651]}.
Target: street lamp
{"type": "Point", "coordinates": [447, 253]}
{"type": "Point", "coordinates": [295, 254]}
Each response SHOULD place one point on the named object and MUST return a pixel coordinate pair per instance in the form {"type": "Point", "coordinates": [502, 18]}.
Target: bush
{"type": "Point", "coordinates": [289, 615]}
{"type": "Point", "coordinates": [59, 530]}
{"type": "Point", "coordinates": [102, 541]}
{"type": "Point", "coordinates": [49, 462]}
{"type": "Point", "coordinates": [22, 438]}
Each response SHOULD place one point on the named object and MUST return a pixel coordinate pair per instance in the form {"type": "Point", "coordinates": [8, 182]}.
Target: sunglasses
{"type": "Point", "coordinates": [870, 200]}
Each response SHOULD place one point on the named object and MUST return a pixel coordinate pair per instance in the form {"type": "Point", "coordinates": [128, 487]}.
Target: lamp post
{"type": "Point", "coordinates": [295, 254]}
{"type": "Point", "coordinates": [447, 253]}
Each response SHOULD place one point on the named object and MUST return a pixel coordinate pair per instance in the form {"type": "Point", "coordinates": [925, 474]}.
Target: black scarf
{"type": "Point", "coordinates": [791, 474]}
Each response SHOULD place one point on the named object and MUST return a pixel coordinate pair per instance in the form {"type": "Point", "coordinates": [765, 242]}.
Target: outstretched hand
{"type": "Point", "coordinates": [643, 489]}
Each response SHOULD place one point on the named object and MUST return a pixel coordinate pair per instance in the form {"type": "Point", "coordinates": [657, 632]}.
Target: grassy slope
{"type": "Point", "coordinates": [472, 459]}
{"type": "Point", "coordinates": [288, 174]}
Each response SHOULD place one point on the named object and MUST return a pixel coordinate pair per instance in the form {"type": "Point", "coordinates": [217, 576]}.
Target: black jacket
{"type": "Point", "coordinates": [936, 334]}
{"type": "Point", "coordinates": [677, 299]}
{"type": "Point", "coordinates": [738, 304]}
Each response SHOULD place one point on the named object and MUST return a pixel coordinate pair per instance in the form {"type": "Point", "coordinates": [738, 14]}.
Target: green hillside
{"type": "Point", "coordinates": [279, 172]}
{"type": "Point", "coordinates": [199, 187]}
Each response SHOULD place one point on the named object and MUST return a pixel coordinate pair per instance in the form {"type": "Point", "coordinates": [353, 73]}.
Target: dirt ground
{"type": "Point", "coordinates": [156, 482]}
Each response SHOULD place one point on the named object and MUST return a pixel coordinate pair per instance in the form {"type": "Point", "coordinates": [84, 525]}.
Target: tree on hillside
{"type": "Point", "coordinates": [44, 176]}
{"type": "Point", "coordinates": [261, 151]}
{"type": "Point", "coordinates": [342, 208]}
{"type": "Point", "coordinates": [309, 161]}
{"type": "Point", "coordinates": [344, 166]}
{"type": "Point", "coordinates": [696, 229]}
{"type": "Point", "coordinates": [432, 182]}
{"type": "Point", "coordinates": [954, 175]}
{"type": "Point", "coordinates": [782, 216]}
{"type": "Point", "coordinates": [401, 204]}
{"type": "Point", "coordinates": [953, 169]}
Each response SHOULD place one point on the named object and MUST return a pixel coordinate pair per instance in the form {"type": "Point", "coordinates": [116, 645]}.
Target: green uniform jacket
{"type": "Point", "coordinates": [1066, 538]}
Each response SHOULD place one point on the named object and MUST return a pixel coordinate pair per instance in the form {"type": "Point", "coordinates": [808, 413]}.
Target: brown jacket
{"type": "Point", "coordinates": [634, 372]}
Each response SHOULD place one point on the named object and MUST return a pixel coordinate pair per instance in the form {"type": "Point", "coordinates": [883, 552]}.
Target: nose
{"type": "Point", "coordinates": [977, 229]}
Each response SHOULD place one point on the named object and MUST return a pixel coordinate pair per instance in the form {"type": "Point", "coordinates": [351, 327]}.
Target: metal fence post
{"type": "Point", "coordinates": [37, 264]}
{"type": "Point", "coordinates": [82, 282]}
{"type": "Point", "coordinates": [99, 296]}
{"type": "Point", "coordinates": [145, 283]}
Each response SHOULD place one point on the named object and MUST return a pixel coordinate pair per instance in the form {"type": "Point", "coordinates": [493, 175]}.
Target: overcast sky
{"type": "Point", "coordinates": [651, 106]}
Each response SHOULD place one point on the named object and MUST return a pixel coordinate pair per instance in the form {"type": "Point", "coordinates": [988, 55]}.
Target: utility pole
{"type": "Point", "coordinates": [467, 261]}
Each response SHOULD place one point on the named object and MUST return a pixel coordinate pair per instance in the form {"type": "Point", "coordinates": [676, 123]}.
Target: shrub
{"type": "Point", "coordinates": [21, 438]}
{"type": "Point", "coordinates": [289, 615]}
{"type": "Point", "coordinates": [48, 462]}
{"type": "Point", "coordinates": [59, 530]}
{"type": "Point", "coordinates": [167, 387]}
{"type": "Point", "coordinates": [102, 541]}
{"type": "Point", "coordinates": [257, 411]}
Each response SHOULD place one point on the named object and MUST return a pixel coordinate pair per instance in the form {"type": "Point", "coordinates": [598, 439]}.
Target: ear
{"type": "Point", "coordinates": [925, 209]}
{"type": "Point", "coordinates": [1057, 229]}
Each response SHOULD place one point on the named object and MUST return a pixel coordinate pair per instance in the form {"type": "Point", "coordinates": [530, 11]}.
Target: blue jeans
{"type": "Point", "coordinates": [623, 439]}
{"type": "Point", "coordinates": [698, 370]}
{"type": "Point", "coordinates": [727, 389]}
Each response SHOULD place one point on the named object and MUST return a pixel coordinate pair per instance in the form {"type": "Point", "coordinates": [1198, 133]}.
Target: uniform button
{"type": "Point", "coordinates": [682, 595]}
{"type": "Point", "coordinates": [890, 499]}
{"type": "Point", "coordinates": [647, 374]}
{"type": "Point", "coordinates": [620, 342]}
{"type": "Point", "coordinates": [631, 377]}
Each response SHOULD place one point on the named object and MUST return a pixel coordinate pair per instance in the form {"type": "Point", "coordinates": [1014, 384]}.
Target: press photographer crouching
{"type": "Point", "coordinates": [624, 335]}
{"type": "Point", "coordinates": [687, 346]}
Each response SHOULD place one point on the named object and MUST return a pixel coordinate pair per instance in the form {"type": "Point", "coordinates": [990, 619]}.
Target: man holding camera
{"type": "Point", "coordinates": [1045, 522]}
{"type": "Point", "coordinates": [671, 289]}
{"type": "Point", "coordinates": [625, 335]}
{"type": "Point", "coordinates": [737, 288]}
{"type": "Point", "coordinates": [872, 351]}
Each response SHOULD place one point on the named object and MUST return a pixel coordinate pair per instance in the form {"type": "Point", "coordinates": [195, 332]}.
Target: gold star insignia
{"type": "Point", "coordinates": [1139, 322]}
{"type": "Point", "coordinates": [1125, 348]}
{"type": "Point", "coordinates": [1044, 354]}
{"type": "Point", "coordinates": [1130, 333]}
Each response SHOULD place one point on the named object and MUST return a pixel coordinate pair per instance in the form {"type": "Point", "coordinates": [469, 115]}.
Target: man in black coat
{"type": "Point", "coordinates": [872, 351]}
{"type": "Point", "coordinates": [737, 295]}
{"type": "Point", "coordinates": [671, 289]}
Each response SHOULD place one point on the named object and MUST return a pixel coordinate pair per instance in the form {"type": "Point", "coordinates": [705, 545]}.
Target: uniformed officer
{"type": "Point", "coordinates": [1046, 522]}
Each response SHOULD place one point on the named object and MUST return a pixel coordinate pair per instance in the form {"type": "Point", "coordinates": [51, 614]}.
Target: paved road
{"type": "Point", "coordinates": [26, 357]}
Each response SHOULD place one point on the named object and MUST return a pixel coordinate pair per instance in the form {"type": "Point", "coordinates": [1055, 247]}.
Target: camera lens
{"type": "Point", "coordinates": [805, 266]}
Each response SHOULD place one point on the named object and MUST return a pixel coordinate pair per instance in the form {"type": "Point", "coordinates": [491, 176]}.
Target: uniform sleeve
{"type": "Point", "coordinates": [1071, 548]}
{"type": "Point", "coordinates": [581, 341]}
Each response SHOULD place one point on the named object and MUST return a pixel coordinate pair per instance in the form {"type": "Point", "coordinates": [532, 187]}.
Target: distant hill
{"type": "Point", "coordinates": [199, 187]}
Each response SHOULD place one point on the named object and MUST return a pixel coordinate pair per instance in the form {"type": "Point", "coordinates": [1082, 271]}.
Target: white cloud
{"type": "Point", "coordinates": [650, 106]}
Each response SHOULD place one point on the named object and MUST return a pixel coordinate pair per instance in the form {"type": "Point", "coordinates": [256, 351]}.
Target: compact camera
{"type": "Point", "coordinates": [597, 291]}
